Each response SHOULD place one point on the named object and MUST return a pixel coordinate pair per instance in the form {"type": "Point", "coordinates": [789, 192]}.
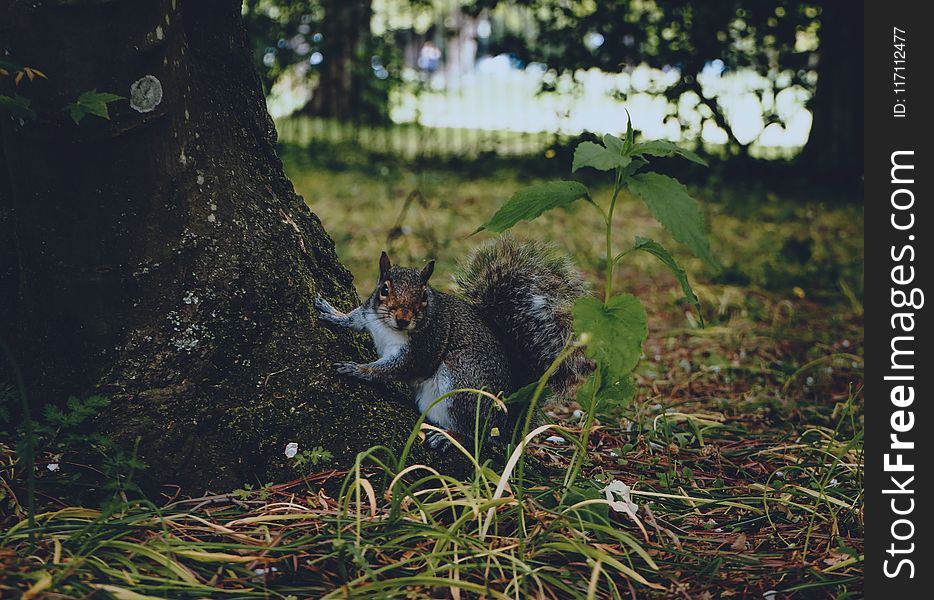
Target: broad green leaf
{"type": "Point", "coordinates": [529, 203]}
{"type": "Point", "coordinates": [659, 252]}
{"type": "Point", "coordinates": [614, 144]}
{"type": "Point", "coordinates": [91, 103]}
{"type": "Point", "coordinates": [610, 392]}
{"type": "Point", "coordinates": [17, 106]}
{"type": "Point", "coordinates": [616, 331]}
{"type": "Point", "coordinates": [75, 112]}
{"type": "Point", "coordinates": [666, 148]}
{"type": "Point", "coordinates": [588, 154]}
{"type": "Point", "coordinates": [633, 167]}
{"type": "Point", "coordinates": [674, 208]}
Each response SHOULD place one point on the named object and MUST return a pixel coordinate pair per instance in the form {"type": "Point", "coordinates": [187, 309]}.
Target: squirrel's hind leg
{"type": "Point", "coordinates": [470, 412]}
{"type": "Point", "coordinates": [428, 397]}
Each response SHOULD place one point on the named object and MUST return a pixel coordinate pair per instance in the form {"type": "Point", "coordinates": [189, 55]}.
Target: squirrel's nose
{"type": "Point", "coordinates": [402, 323]}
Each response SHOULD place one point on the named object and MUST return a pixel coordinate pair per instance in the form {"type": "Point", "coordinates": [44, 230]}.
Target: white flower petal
{"type": "Point", "coordinates": [624, 503]}
{"type": "Point", "coordinates": [291, 449]}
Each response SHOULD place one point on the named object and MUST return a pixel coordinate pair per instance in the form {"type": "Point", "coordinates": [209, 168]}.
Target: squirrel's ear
{"type": "Point", "coordinates": [427, 271]}
{"type": "Point", "coordinates": [384, 265]}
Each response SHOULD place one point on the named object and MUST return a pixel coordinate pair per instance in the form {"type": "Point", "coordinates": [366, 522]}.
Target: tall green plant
{"type": "Point", "coordinates": [612, 331]}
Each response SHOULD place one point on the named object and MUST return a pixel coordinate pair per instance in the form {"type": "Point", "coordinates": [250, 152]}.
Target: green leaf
{"type": "Point", "coordinates": [616, 332]}
{"type": "Point", "coordinates": [674, 208]}
{"type": "Point", "coordinates": [519, 402]}
{"type": "Point", "coordinates": [633, 167]}
{"type": "Point", "coordinates": [529, 203]}
{"type": "Point", "coordinates": [599, 512]}
{"type": "Point", "coordinates": [659, 252]}
{"type": "Point", "coordinates": [522, 397]}
{"type": "Point", "coordinates": [630, 134]}
{"type": "Point", "coordinates": [91, 103]}
{"type": "Point", "coordinates": [614, 144]}
{"type": "Point", "coordinates": [666, 148]}
{"type": "Point", "coordinates": [10, 65]}
{"type": "Point", "coordinates": [17, 106]}
{"type": "Point", "coordinates": [610, 393]}
{"type": "Point", "coordinates": [588, 154]}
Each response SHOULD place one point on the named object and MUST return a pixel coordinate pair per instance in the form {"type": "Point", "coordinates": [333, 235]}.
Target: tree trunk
{"type": "Point", "coordinates": [165, 261]}
{"type": "Point", "coordinates": [346, 33]}
{"type": "Point", "coordinates": [834, 151]}
{"type": "Point", "coordinates": [9, 268]}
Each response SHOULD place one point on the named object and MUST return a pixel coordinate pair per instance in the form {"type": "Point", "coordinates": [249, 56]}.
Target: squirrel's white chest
{"type": "Point", "coordinates": [388, 340]}
{"type": "Point", "coordinates": [430, 389]}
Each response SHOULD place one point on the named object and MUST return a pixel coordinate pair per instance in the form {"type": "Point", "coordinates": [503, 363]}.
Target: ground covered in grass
{"type": "Point", "coordinates": [737, 471]}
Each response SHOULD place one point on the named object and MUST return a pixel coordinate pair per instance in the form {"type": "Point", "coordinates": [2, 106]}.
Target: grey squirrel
{"type": "Point", "coordinates": [511, 319]}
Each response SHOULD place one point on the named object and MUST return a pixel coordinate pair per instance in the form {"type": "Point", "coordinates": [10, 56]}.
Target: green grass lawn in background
{"type": "Point", "coordinates": [789, 246]}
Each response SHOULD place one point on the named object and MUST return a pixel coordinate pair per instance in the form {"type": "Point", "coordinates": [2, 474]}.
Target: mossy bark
{"type": "Point", "coordinates": [165, 260]}
{"type": "Point", "coordinates": [9, 267]}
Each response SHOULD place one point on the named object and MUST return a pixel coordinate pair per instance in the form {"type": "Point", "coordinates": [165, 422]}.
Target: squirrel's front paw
{"type": "Point", "coordinates": [350, 368]}
{"type": "Point", "coordinates": [326, 312]}
{"type": "Point", "coordinates": [437, 440]}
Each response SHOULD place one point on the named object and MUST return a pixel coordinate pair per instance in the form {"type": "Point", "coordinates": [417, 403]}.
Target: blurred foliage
{"type": "Point", "coordinates": [777, 39]}
{"type": "Point", "coordinates": [764, 35]}
{"type": "Point", "coordinates": [326, 44]}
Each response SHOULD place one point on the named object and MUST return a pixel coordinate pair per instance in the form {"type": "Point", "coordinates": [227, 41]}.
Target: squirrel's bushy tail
{"type": "Point", "coordinates": [525, 292]}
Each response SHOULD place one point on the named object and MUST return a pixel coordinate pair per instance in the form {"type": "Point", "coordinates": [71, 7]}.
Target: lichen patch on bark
{"type": "Point", "coordinates": [146, 92]}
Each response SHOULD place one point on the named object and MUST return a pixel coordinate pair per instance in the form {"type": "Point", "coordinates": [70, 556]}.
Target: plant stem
{"type": "Point", "coordinates": [533, 403]}
{"type": "Point", "coordinates": [577, 460]}
{"type": "Point", "coordinates": [610, 263]}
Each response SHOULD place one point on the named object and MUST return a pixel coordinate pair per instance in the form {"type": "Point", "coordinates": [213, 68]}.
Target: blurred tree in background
{"type": "Point", "coordinates": [328, 46]}
{"type": "Point", "coordinates": [353, 60]}
{"type": "Point", "coordinates": [816, 45]}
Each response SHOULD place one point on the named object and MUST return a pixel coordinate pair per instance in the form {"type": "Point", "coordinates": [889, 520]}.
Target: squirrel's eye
{"type": "Point", "coordinates": [384, 291]}
{"type": "Point", "coordinates": [425, 296]}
